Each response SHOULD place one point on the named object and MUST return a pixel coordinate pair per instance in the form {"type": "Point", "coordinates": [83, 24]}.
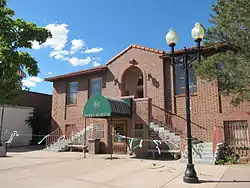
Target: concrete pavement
{"type": "Point", "coordinates": [42, 169]}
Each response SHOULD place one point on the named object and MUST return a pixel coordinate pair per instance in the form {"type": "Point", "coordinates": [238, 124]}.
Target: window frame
{"type": "Point", "coordinates": [90, 85]}
{"type": "Point", "coordinates": [99, 129]}
{"type": "Point", "coordinates": [179, 89]}
{"type": "Point", "coordinates": [69, 93]}
{"type": "Point", "coordinates": [236, 133]}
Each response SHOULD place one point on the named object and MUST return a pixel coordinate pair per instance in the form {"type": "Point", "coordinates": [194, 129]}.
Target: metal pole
{"type": "Point", "coordinates": [85, 136]}
{"type": "Point", "coordinates": [111, 140]}
{"type": "Point", "coordinates": [173, 65]}
{"type": "Point", "coordinates": [190, 173]}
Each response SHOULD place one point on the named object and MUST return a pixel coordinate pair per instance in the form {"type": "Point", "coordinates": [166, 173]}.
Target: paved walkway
{"type": "Point", "coordinates": [42, 169]}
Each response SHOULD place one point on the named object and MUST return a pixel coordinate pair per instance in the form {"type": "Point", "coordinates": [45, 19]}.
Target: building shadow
{"type": "Point", "coordinates": [162, 157]}
{"type": "Point", "coordinates": [111, 158]}
{"type": "Point", "coordinates": [223, 181]}
{"type": "Point", "coordinates": [7, 156]}
{"type": "Point", "coordinates": [25, 149]}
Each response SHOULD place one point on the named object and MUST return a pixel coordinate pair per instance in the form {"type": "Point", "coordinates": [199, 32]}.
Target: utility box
{"type": "Point", "coordinates": [94, 146]}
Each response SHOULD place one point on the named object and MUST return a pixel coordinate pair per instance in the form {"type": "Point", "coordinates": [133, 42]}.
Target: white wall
{"type": "Point", "coordinates": [14, 120]}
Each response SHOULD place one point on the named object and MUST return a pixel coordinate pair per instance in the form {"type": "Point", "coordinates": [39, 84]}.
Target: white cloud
{"type": "Point", "coordinates": [28, 83]}
{"type": "Point", "coordinates": [61, 54]}
{"type": "Point", "coordinates": [31, 81]}
{"type": "Point", "coordinates": [49, 73]}
{"type": "Point", "coordinates": [96, 64]}
{"type": "Point", "coordinates": [93, 50]}
{"type": "Point", "coordinates": [59, 37]}
{"type": "Point", "coordinates": [35, 79]}
{"type": "Point", "coordinates": [96, 58]}
{"type": "Point", "coordinates": [79, 62]}
{"type": "Point", "coordinates": [77, 44]}
{"type": "Point", "coordinates": [35, 45]}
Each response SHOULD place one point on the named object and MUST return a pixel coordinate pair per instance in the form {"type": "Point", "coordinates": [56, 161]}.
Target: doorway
{"type": "Point", "coordinates": [119, 145]}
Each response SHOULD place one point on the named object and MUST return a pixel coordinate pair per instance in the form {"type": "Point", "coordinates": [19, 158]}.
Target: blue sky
{"type": "Point", "coordinates": [88, 33]}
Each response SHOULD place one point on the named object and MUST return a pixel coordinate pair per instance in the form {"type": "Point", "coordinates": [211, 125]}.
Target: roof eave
{"type": "Point", "coordinates": [79, 73]}
{"type": "Point", "coordinates": [204, 49]}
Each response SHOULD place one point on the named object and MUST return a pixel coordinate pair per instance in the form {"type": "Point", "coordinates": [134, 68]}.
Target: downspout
{"type": "Point", "coordinates": [165, 85]}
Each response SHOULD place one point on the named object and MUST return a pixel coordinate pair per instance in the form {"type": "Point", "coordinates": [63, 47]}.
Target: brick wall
{"type": "Point", "coordinates": [205, 112]}
{"type": "Point", "coordinates": [142, 110]}
{"type": "Point", "coordinates": [149, 63]}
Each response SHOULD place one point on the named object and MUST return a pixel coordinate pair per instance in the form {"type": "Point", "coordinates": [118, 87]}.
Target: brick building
{"type": "Point", "coordinates": [153, 90]}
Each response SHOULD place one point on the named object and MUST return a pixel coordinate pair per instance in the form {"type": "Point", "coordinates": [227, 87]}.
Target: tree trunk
{"type": "Point", "coordinates": [1, 124]}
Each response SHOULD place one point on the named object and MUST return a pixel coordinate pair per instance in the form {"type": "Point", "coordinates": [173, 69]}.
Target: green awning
{"type": "Point", "coordinates": [102, 107]}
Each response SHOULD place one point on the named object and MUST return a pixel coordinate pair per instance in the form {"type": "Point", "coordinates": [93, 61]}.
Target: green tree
{"type": "Point", "coordinates": [230, 25]}
{"type": "Point", "coordinates": [15, 35]}
{"type": "Point", "coordinates": [38, 122]}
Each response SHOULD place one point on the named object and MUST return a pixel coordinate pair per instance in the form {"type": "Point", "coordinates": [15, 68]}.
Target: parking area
{"type": "Point", "coordinates": [43, 169]}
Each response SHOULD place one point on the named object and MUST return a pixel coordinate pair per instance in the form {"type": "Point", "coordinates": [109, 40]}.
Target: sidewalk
{"type": "Point", "coordinates": [70, 170]}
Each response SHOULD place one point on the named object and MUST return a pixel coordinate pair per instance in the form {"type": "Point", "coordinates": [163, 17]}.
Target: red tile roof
{"type": "Point", "coordinates": [163, 54]}
{"type": "Point", "coordinates": [205, 48]}
{"type": "Point", "coordinates": [135, 46]}
{"type": "Point", "coordinates": [81, 72]}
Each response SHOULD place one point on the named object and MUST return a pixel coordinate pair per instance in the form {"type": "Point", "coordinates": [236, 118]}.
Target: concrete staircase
{"type": "Point", "coordinates": [62, 144]}
{"type": "Point", "coordinates": [171, 139]}
{"type": "Point", "coordinates": [202, 153]}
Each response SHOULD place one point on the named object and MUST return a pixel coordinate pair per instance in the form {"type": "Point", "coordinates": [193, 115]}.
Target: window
{"type": "Point", "coordinates": [95, 87]}
{"type": "Point", "coordinates": [139, 131]}
{"type": "Point", "coordinates": [236, 133]}
{"type": "Point", "coordinates": [180, 79]}
{"type": "Point", "coordinates": [72, 92]}
{"type": "Point", "coordinates": [99, 131]}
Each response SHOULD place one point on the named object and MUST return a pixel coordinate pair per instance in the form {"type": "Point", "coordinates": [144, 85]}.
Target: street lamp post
{"type": "Point", "coordinates": [187, 58]}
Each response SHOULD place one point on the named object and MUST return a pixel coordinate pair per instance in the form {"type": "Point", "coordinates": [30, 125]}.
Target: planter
{"type": "Point", "coordinates": [3, 150]}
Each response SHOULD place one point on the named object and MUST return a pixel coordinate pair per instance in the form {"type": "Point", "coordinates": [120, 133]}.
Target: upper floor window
{"type": "Point", "coordinates": [72, 92]}
{"type": "Point", "coordinates": [180, 79]}
{"type": "Point", "coordinates": [95, 87]}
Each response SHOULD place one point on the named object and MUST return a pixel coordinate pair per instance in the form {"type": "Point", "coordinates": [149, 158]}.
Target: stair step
{"type": "Point", "coordinates": [161, 129]}
{"type": "Point", "coordinates": [166, 131]}
{"type": "Point", "coordinates": [156, 129]}
{"type": "Point", "coordinates": [151, 125]}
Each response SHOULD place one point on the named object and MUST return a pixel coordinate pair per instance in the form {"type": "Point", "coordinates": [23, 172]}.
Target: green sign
{"type": "Point", "coordinates": [100, 106]}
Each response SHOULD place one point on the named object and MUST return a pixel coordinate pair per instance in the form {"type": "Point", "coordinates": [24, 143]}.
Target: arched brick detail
{"type": "Point", "coordinates": [120, 79]}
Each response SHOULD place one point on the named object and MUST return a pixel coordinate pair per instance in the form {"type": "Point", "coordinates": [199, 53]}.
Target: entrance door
{"type": "Point", "coordinates": [119, 128]}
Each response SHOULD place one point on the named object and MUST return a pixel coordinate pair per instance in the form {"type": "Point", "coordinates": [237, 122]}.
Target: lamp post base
{"type": "Point", "coordinates": [190, 174]}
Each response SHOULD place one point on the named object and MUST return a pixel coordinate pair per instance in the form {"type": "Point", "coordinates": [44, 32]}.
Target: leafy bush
{"type": "Point", "coordinates": [228, 155]}
{"type": "Point", "coordinates": [220, 162]}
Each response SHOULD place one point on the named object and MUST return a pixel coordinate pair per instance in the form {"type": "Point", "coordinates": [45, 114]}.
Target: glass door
{"type": "Point", "coordinates": [119, 129]}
